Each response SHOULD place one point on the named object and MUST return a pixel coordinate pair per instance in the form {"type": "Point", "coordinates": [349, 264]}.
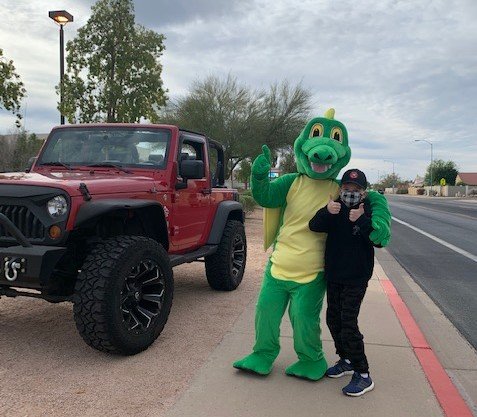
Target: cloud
{"type": "Point", "coordinates": [160, 13]}
{"type": "Point", "coordinates": [394, 70]}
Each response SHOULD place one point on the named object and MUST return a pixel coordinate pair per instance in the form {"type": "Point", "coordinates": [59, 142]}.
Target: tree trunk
{"type": "Point", "coordinates": [111, 106]}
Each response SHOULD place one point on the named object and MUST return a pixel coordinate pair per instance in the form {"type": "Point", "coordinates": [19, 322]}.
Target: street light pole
{"type": "Point", "coordinates": [430, 166]}
{"type": "Point", "coordinates": [62, 17]}
{"type": "Point", "coordinates": [62, 72]}
{"type": "Point", "coordinates": [379, 176]}
{"type": "Point", "coordinates": [394, 175]}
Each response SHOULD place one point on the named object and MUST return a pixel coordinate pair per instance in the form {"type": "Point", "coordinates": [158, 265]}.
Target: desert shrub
{"type": "Point", "coordinates": [248, 203]}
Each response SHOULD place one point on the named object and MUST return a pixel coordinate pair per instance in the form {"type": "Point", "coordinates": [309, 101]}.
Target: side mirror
{"type": "Point", "coordinates": [192, 169]}
{"type": "Point", "coordinates": [30, 163]}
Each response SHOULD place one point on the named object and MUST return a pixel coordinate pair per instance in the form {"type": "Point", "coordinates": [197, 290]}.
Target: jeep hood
{"type": "Point", "coordinates": [69, 181]}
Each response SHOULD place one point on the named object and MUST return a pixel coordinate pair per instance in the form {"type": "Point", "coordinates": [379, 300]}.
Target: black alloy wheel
{"type": "Point", "coordinates": [238, 255]}
{"type": "Point", "coordinates": [225, 268]}
{"type": "Point", "coordinates": [123, 294]}
{"type": "Point", "coordinates": [142, 296]}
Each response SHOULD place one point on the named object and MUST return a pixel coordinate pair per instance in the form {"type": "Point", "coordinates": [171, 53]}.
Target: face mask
{"type": "Point", "coordinates": [351, 198]}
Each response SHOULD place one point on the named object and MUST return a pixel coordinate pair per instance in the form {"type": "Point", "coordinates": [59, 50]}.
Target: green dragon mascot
{"type": "Point", "coordinates": [294, 274]}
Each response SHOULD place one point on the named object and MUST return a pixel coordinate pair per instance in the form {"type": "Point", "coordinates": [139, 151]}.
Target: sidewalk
{"type": "Point", "coordinates": [402, 388]}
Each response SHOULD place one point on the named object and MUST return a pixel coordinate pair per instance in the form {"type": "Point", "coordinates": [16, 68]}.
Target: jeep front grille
{"type": "Point", "coordinates": [24, 220]}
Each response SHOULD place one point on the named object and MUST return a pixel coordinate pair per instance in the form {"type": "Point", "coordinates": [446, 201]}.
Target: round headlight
{"type": "Point", "coordinates": [57, 206]}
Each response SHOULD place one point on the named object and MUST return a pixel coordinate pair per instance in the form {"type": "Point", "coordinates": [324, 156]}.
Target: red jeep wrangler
{"type": "Point", "coordinates": [102, 216]}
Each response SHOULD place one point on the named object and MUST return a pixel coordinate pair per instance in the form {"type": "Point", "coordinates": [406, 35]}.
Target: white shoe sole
{"type": "Point", "coordinates": [358, 394]}
{"type": "Point", "coordinates": [341, 374]}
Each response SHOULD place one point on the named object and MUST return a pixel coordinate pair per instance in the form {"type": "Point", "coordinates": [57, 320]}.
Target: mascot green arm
{"type": "Point", "coordinates": [381, 219]}
{"type": "Point", "coordinates": [270, 194]}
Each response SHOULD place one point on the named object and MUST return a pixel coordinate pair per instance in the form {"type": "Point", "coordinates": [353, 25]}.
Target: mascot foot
{"type": "Point", "coordinates": [312, 370]}
{"type": "Point", "coordinates": [255, 363]}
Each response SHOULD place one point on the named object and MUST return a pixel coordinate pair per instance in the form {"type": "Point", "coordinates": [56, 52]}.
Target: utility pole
{"type": "Point", "coordinates": [394, 174]}
{"type": "Point", "coordinates": [432, 156]}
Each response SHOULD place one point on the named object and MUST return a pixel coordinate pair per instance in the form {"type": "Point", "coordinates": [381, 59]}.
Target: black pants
{"type": "Point", "coordinates": [344, 302]}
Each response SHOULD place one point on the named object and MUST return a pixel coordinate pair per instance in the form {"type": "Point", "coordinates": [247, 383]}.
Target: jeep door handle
{"type": "Point", "coordinates": [206, 191]}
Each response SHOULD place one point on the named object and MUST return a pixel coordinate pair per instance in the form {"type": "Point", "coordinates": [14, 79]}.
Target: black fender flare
{"type": "Point", "coordinates": [91, 210]}
{"type": "Point", "coordinates": [225, 211]}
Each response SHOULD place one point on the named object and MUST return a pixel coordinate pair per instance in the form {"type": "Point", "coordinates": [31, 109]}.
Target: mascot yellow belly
{"type": "Point", "coordinates": [299, 253]}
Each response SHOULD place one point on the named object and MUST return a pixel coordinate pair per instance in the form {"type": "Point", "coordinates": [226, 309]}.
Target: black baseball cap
{"type": "Point", "coordinates": [355, 176]}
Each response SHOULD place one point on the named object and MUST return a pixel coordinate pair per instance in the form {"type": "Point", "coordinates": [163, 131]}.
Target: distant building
{"type": "Point", "coordinates": [466, 178]}
{"type": "Point", "coordinates": [275, 173]}
{"type": "Point", "coordinates": [418, 182]}
{"type": "Point", "coordinates": [42, 136]}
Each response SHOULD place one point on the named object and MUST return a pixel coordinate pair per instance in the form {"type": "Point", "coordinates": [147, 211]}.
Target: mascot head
{"type": "Point", "coordinates": [322, 148]}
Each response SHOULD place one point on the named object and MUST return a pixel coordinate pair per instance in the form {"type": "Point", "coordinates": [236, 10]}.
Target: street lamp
{"type": "Point", "coordinates": [62, 17]}
{"type": "Point", "coordinates": [394, 175]}
{"type": "Point", "coordinates": [379, 177]}
{"type": "Point", "coordinates": [430, 167]}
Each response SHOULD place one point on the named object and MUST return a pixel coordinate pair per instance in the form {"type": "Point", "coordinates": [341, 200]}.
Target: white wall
{"type": "Point", "coordinates": [451, 190]}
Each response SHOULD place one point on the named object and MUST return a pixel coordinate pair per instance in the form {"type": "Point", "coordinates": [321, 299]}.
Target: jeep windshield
{"type": "Point", "coordinates": [106, 147]}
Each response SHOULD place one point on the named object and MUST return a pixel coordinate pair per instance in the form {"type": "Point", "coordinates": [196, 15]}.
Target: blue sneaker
{"type": "Point", "coordinates": [341, 368]}
{"type": "Point", "coordinates": [358, 385]}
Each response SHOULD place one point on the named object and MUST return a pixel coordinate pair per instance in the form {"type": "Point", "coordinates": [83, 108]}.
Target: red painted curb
{"type": "Point", "coordinates": [447, 394]}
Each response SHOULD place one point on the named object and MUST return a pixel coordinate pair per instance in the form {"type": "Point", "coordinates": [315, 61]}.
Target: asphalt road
{"type": "Point", "coordinates": [444, 264]}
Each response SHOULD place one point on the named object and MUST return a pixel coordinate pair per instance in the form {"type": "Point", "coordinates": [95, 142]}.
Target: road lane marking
{"type": "Point", "coordinates": [436, 239]}
{"type": "Point", "coordinates": [417, 207]}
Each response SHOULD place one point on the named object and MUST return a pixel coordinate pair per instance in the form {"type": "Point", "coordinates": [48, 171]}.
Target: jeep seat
{"type": "Point", "coordinates": [156, 159]}
{"type": "Point", "coordinates": [127, 154]}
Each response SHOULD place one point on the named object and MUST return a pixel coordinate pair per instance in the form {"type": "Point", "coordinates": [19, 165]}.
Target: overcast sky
{"type": "Point", "coordinates": [394, 70]}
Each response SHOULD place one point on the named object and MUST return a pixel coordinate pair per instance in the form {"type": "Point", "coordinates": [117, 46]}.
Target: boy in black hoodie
{"type": "Point", "coordinates": [349, 263]}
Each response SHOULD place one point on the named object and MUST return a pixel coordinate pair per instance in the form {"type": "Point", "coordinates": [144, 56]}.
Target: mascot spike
{"type": "Point", "coordinates": [330, 114]}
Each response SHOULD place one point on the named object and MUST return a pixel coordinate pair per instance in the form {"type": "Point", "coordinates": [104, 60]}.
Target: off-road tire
{"type": "Point", "coordinates": [99, 294]}
{"type": "Point", "coordinates": [219, 267]}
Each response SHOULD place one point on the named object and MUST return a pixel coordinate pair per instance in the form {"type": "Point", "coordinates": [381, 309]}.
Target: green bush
{"type": "Point", "coordinates": [248, 203]}
{"type": "Point", "coordinates": [246, 192]}
{"type": "Point", "coordinates": [402, 191]}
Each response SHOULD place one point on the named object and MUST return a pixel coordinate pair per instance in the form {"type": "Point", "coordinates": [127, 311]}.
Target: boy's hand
{"type": "Point", "coordinates": [355, 214]}
{"type": "Point", "coordinates": [333, 206]}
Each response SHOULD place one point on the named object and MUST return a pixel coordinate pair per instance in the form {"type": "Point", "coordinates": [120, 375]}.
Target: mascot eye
{"type": "Point", "coordinates": [316, 130]}
{"type": "Point", "coordinates": [336, 134]}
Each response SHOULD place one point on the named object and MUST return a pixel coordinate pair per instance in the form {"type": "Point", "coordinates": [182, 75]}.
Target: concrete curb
{"type": "Point", "coordinates": [446, 393]}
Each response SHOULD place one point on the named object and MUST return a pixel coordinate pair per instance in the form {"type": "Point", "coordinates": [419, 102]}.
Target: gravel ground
{"type": "Point", "coordinates": [47, 369]}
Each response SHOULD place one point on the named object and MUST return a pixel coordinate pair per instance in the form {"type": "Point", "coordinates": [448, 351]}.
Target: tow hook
{"type": "Point", "coordinates": [12, 266]}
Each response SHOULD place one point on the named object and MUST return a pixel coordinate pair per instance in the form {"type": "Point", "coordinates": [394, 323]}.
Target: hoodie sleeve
{"type": "Point", "coordinates": [321, 221]}
{"type": "Point", "coordinates": [365, 223]}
